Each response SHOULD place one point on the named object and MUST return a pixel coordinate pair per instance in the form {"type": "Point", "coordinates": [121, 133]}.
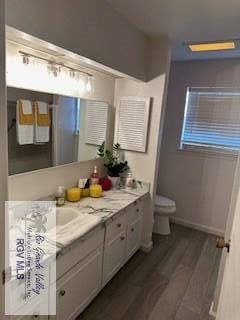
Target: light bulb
{"type": "Point", "coordinates": [54, 69]}
{"type": "Point", "coordinates": [72, 74]}
{"type": "Point", "coordinates": [25, 59]}
{"type": "Point", "coordinates": [88, 86]}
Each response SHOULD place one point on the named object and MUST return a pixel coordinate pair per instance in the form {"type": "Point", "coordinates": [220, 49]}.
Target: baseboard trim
{"type": "Point", "coordinates": [147, 248]}
{"type": "Point", "coordinates": [197, 226]}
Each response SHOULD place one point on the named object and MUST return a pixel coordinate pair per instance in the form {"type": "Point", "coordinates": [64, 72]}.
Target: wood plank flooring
{"type": "Point", "coordinates": [175, 281]}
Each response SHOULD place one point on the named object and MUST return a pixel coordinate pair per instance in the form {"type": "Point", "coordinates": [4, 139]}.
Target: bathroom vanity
{"type": "Point", "coordinates": [95, 239]}
{"type": "Point", "coordinates": [90, 261]}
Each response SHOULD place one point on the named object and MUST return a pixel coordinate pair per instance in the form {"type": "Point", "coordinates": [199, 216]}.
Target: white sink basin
{"type": "Point", "coordinates": [65, 215]}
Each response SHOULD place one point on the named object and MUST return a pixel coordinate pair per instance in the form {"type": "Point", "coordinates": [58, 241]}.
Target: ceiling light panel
{"type": "Point", "coordinates": [212, 46]}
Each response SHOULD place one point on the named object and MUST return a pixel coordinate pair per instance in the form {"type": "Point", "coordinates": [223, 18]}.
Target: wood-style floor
{"type": "Point", "coordinates": [175, 281]}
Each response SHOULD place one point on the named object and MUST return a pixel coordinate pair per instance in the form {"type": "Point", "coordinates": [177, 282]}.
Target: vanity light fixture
{"type": "Point", "coordinates": [59, 64]}
{"type": "Point", "coordinates": [81, 81]}
{"type": "Point", "coordinates": [54, 69]}
{"type": "Point", "coordinates": [25, 59]}
{"type": "Point", "coordinates": [212, 46]}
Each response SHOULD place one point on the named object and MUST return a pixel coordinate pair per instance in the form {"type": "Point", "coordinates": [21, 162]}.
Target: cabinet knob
{"type": "Point", "coordinates": [122, 238]}
{"type": "Point", "coordinates": [62, 293]}
{"type": "Point", "coordinates": [137, 210]}
{"type": "Point", "coordinates": [119, 225]}
{"type": "Point", "coordinates": [35, 316]}
{"type": "Point", "coordinates": [132, 229]}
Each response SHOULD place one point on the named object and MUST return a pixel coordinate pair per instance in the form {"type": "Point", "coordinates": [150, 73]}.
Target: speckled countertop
{"type": "Point", "coordinates": [112, 202]}
{"type": "Point", "coordinates": [99, 211]}
{"type": "Point", "coordinates": [90, 214]}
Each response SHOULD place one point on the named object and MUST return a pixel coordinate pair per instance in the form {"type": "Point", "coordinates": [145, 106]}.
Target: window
{"type": "Point", "coordinates": [211, 119]}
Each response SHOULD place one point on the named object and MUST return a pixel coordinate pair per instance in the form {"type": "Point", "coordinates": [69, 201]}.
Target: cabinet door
{"type": "Point", "coordinates": [114, 256]}
{"type": "Point", "coordinates": [77, 289]}
{"type": "Point", "coordinates": [134, 233]}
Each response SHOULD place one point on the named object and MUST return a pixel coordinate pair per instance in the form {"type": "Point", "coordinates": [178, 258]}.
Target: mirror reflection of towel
{"type": "Point", "coordinates": [42, 122]}
{"type": "Point", "coordinates": [25, 122]}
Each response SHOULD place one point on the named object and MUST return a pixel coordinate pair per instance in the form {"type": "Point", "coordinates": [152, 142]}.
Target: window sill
{"type": "Point", "coordinates": [210, 151]}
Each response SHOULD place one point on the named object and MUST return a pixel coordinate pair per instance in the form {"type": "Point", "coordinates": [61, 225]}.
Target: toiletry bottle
{"type": "Point", "coordinates": [60, 196]}
{"type": "Point", "coordinates": [129, 180]}
{"type": "Point", "coordinates": [95, 176]}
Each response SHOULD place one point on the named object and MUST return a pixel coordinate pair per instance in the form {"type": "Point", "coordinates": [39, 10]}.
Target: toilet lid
{"type": "Point", "coordinates": [164, 202]}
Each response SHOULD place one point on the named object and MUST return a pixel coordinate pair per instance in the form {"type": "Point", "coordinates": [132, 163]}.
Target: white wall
{"type": "Point", "coordinates": [145, 165]}
{"type": "Point", "coordinates": [42, 183]}
{"type": "Point", "coordinates": [89, 28]}
{"type": "Point", "coordinates": [201, 183]}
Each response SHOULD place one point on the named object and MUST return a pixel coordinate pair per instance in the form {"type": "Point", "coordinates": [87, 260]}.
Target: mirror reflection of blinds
{"type": "Point", "coordinates": [212, 119]}
{"type": "Point", "coordinates": [96, 122]}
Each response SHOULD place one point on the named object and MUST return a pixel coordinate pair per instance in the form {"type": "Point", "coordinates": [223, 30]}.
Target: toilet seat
{"type": "Point", "coordinates": [164, 205]}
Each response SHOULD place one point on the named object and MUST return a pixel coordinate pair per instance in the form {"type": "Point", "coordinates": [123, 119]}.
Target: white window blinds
{"type": "Point", "coordinates": [96, 122]}
{"type": "Point", "coordinates": [132, 119]}
{"type": "Point", "coordinates": [212, 118]}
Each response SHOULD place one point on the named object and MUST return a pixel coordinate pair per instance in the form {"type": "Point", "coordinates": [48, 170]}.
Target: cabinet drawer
{"type": "Point", "coordinates": [79, 250]}
{"type": "Point", "coordinates": [135, 212]}
{"type": "Point", "coordinates": [116, 227]}
{"type": "Point", "coordinates": [78, 287]}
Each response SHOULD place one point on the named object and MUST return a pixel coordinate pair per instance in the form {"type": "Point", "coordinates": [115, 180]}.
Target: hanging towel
{"type": "Point", "coordinates": [25, 122]}
{"type": "Point", "coordinates": [42, 122]}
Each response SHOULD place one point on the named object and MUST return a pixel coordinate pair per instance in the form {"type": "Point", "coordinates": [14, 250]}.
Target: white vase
{"type": "Point", "coordinates": [115, 182]}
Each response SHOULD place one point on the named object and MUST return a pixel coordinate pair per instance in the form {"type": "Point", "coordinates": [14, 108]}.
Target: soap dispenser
{"type": "Point", "coordinates": [94, 176]}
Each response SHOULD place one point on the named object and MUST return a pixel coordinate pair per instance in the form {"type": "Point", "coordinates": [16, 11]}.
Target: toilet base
{"type": "Point", "coordinates": [162, 225]}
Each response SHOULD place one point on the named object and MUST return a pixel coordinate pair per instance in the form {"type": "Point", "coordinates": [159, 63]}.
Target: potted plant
{"type": "Point", "coordinates": [114, 166]}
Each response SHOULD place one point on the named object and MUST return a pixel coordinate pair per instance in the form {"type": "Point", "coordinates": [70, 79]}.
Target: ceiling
{"type": "Point", "coordinates": [184, 21]}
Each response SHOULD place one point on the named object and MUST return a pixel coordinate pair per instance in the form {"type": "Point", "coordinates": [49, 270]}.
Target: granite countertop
{"type": "Point", "coordinates": [90, 214]}
{"type": "Point", "coordinates": [99, 210]}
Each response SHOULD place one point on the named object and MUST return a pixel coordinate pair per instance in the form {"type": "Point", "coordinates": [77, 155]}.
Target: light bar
{"type": "Point", "coordinates": [212, 46]}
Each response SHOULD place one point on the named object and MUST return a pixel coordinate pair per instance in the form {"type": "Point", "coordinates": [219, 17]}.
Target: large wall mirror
{"type": "Point", "coordinates": [47, 130]}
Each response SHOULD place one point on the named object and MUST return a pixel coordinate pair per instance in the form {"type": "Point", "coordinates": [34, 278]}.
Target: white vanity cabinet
{"type": "Point", "coordinates": [122, 240]}
{"type": "Point", "coordinates": [114, 248]}
{"type": "Point", "coordinates": [134, 229]}
{"type": "Point", "coordinates": [88, 264]}
{"type": "Point", "coordinates": [77, 287]}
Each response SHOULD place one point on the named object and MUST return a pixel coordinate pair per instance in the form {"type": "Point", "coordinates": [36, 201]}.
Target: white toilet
{"type": "Point", "coordinates": [164, 208]}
